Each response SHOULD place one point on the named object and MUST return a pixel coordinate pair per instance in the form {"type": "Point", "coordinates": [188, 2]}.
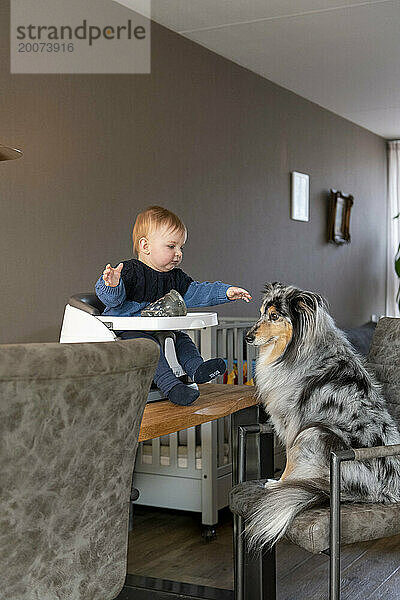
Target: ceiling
{"type": "Point", "coordinates": [342, 55]}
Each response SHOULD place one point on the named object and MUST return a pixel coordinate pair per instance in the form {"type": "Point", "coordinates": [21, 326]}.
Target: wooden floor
{"type": "Point", "coordinates": [168, 544]}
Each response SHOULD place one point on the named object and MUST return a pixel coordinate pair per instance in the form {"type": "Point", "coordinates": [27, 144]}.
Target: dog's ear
{"type": "Point", "coordinates": [323, 302]}
{"type": "Point", "coordinates": [308, 302]}
{"type": "Point", "coordinates": [320, 301]}
{"type": "Point", "coordinates": [272, 287]}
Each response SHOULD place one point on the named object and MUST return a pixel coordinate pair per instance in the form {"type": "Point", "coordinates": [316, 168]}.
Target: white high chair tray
{"type": "Point", "coordinates": [190, 321]}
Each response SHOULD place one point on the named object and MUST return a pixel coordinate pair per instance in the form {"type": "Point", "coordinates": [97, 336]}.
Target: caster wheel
{"type": "Point", "coordinates": [209, 533]}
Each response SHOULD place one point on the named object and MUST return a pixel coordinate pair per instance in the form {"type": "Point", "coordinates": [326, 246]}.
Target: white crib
{"type": "Point", "coordinates": [191, 470]}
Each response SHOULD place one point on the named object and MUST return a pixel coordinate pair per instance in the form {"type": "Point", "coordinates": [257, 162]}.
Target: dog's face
{"type": "Point", "coordinates": [285, 314]}
{"type": "Point", "coordinates": [273, 330]}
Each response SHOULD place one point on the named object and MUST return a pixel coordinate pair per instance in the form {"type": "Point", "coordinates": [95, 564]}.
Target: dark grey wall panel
{"type": "Point", "coordinates": [202, 136]}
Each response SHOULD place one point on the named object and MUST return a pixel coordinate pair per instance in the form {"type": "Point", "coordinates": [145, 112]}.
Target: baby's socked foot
{"type": "Point", "coordinates": [182, 394]}
{"type": "Point", "coordinates": [209, 369]}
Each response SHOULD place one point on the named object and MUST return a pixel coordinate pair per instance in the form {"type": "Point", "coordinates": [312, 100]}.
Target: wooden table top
{"type": "Point", "coordinates": [215, 401]}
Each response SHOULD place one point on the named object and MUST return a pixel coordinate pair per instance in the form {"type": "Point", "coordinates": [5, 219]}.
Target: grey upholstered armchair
{"type": "Point", "coordinates": [324, 529]}
{"type": "Point", "coordinates": [69, 422]}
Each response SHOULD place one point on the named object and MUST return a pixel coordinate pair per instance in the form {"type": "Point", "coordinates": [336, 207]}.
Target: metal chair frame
{"type": "Point", "coordinates": [254, 575]}
{"type": "Point", "coordinates": [265, 570]}
{"type": "Point", "coordinates": [335, 471]}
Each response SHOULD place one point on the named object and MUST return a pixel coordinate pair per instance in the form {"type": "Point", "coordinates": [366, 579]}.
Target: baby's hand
{"type": "Point", "coordinates": [236, 293]}
{"type": "Point", "coordinates": [112, 276]}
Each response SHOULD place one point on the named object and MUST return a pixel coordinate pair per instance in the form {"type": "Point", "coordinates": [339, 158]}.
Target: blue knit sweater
{"type": "Point", "coordinates": [198, 294]}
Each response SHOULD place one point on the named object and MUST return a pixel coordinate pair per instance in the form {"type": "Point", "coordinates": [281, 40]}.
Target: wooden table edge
{"type": "Point", "coordinates": [215, 401]}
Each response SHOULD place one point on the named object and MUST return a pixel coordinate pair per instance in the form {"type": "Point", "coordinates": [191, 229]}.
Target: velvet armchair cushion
{"type": "Point", "coordinates": [69, 421]}
{"type": "Point", "coordinates": [310, 530]}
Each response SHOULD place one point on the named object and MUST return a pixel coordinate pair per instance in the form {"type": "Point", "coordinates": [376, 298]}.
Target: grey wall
{"type": "Point", "coordinates": [201, 136]}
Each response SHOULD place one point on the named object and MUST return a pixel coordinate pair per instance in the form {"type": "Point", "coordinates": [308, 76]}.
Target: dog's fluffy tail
{"type": "Point", "coordinates": [281, 503]}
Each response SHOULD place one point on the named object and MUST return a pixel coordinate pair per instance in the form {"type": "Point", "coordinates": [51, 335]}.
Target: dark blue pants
{"type": "Point", "coordinates": [186, 352]}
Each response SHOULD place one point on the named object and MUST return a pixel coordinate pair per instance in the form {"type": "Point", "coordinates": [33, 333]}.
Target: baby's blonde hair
{"type": "Point", "coordinates": [153, 218]}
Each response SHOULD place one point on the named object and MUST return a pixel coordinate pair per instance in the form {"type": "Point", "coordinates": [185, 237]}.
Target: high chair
{"type": "Point", "coordinates": [83, 322]}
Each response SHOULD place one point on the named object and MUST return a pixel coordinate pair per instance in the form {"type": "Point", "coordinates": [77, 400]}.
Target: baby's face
{"type": "Point", "coordinates": [165, 249]}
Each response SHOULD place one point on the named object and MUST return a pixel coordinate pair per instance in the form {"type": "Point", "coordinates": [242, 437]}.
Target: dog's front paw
{"type": "Point", "coordinates": [267, 481]}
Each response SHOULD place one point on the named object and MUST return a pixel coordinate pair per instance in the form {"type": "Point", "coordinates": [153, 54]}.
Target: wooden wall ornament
{"type": "Point", "coordinates": [7, 153]}
{"type": "Point", "coordinates": [339, 217]}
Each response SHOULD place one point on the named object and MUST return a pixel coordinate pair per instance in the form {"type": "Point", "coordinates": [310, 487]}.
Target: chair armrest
{"type": "Point", "coordinates": [376, 452]}
{"type": "Point", "coordinates": [336, 459]}
{"type": "Point", "coordinates": [366, 453]}
{"type": "Point", "coordinates": [350, 455]}
{"type": "Point", "coordinates": [243, 430]}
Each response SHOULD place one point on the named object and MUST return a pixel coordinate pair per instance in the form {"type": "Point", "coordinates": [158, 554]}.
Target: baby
{"type": "Point", "coordinates": [158, 239]}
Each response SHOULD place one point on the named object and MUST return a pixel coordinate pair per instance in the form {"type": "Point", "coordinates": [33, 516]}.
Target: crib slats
{"type": "Point", "coordinates": [239, 353]}
{"type": "Point", "coordinates": [173, 450]}
{"type": "Point", "coordinates": [251, 355]}
{"type": "Point", "coordinates": [230, 348]}
{"type": "Point", "coordinates": [155, 452]}
{"type": "Point", "coordinates": [207, 342]}
{"type": "Point", "coordinates": [139, 454]}
{"type": "Point", "coordinates": [220, 441]}
{"type": "Point", "coordinates": [227, 432]}
{"type": "Point", "coordinates": [209, 491]}
{"type": "Point", "coordinates": [220, 350]}
{"type": "Point", "coordinates": [191, 448]}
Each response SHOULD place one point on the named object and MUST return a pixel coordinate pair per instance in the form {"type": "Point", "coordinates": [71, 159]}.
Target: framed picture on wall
{"type": "Point", "coordinates": [300, 197]}
{"type": "Point", "coordinates": [339, 217]}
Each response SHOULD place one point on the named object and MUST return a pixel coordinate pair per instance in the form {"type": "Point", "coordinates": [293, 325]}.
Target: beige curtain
{"type": "Point", "coordinates": [393, 227]}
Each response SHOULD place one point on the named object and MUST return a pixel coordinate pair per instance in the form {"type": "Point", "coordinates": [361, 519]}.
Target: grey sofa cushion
{"type": "Point", "coordinates": [69, 421]}
{"type": "Point", "coordinates": [384, 359]}
{"type": "Point", "coordinates": [360, 522]}
{"type": "Point", "coordinates": [361, 337]}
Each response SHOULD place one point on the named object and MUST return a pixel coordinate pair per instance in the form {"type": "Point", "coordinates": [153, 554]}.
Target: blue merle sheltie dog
{"type": "Point", "coordinates": [320, 397]}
